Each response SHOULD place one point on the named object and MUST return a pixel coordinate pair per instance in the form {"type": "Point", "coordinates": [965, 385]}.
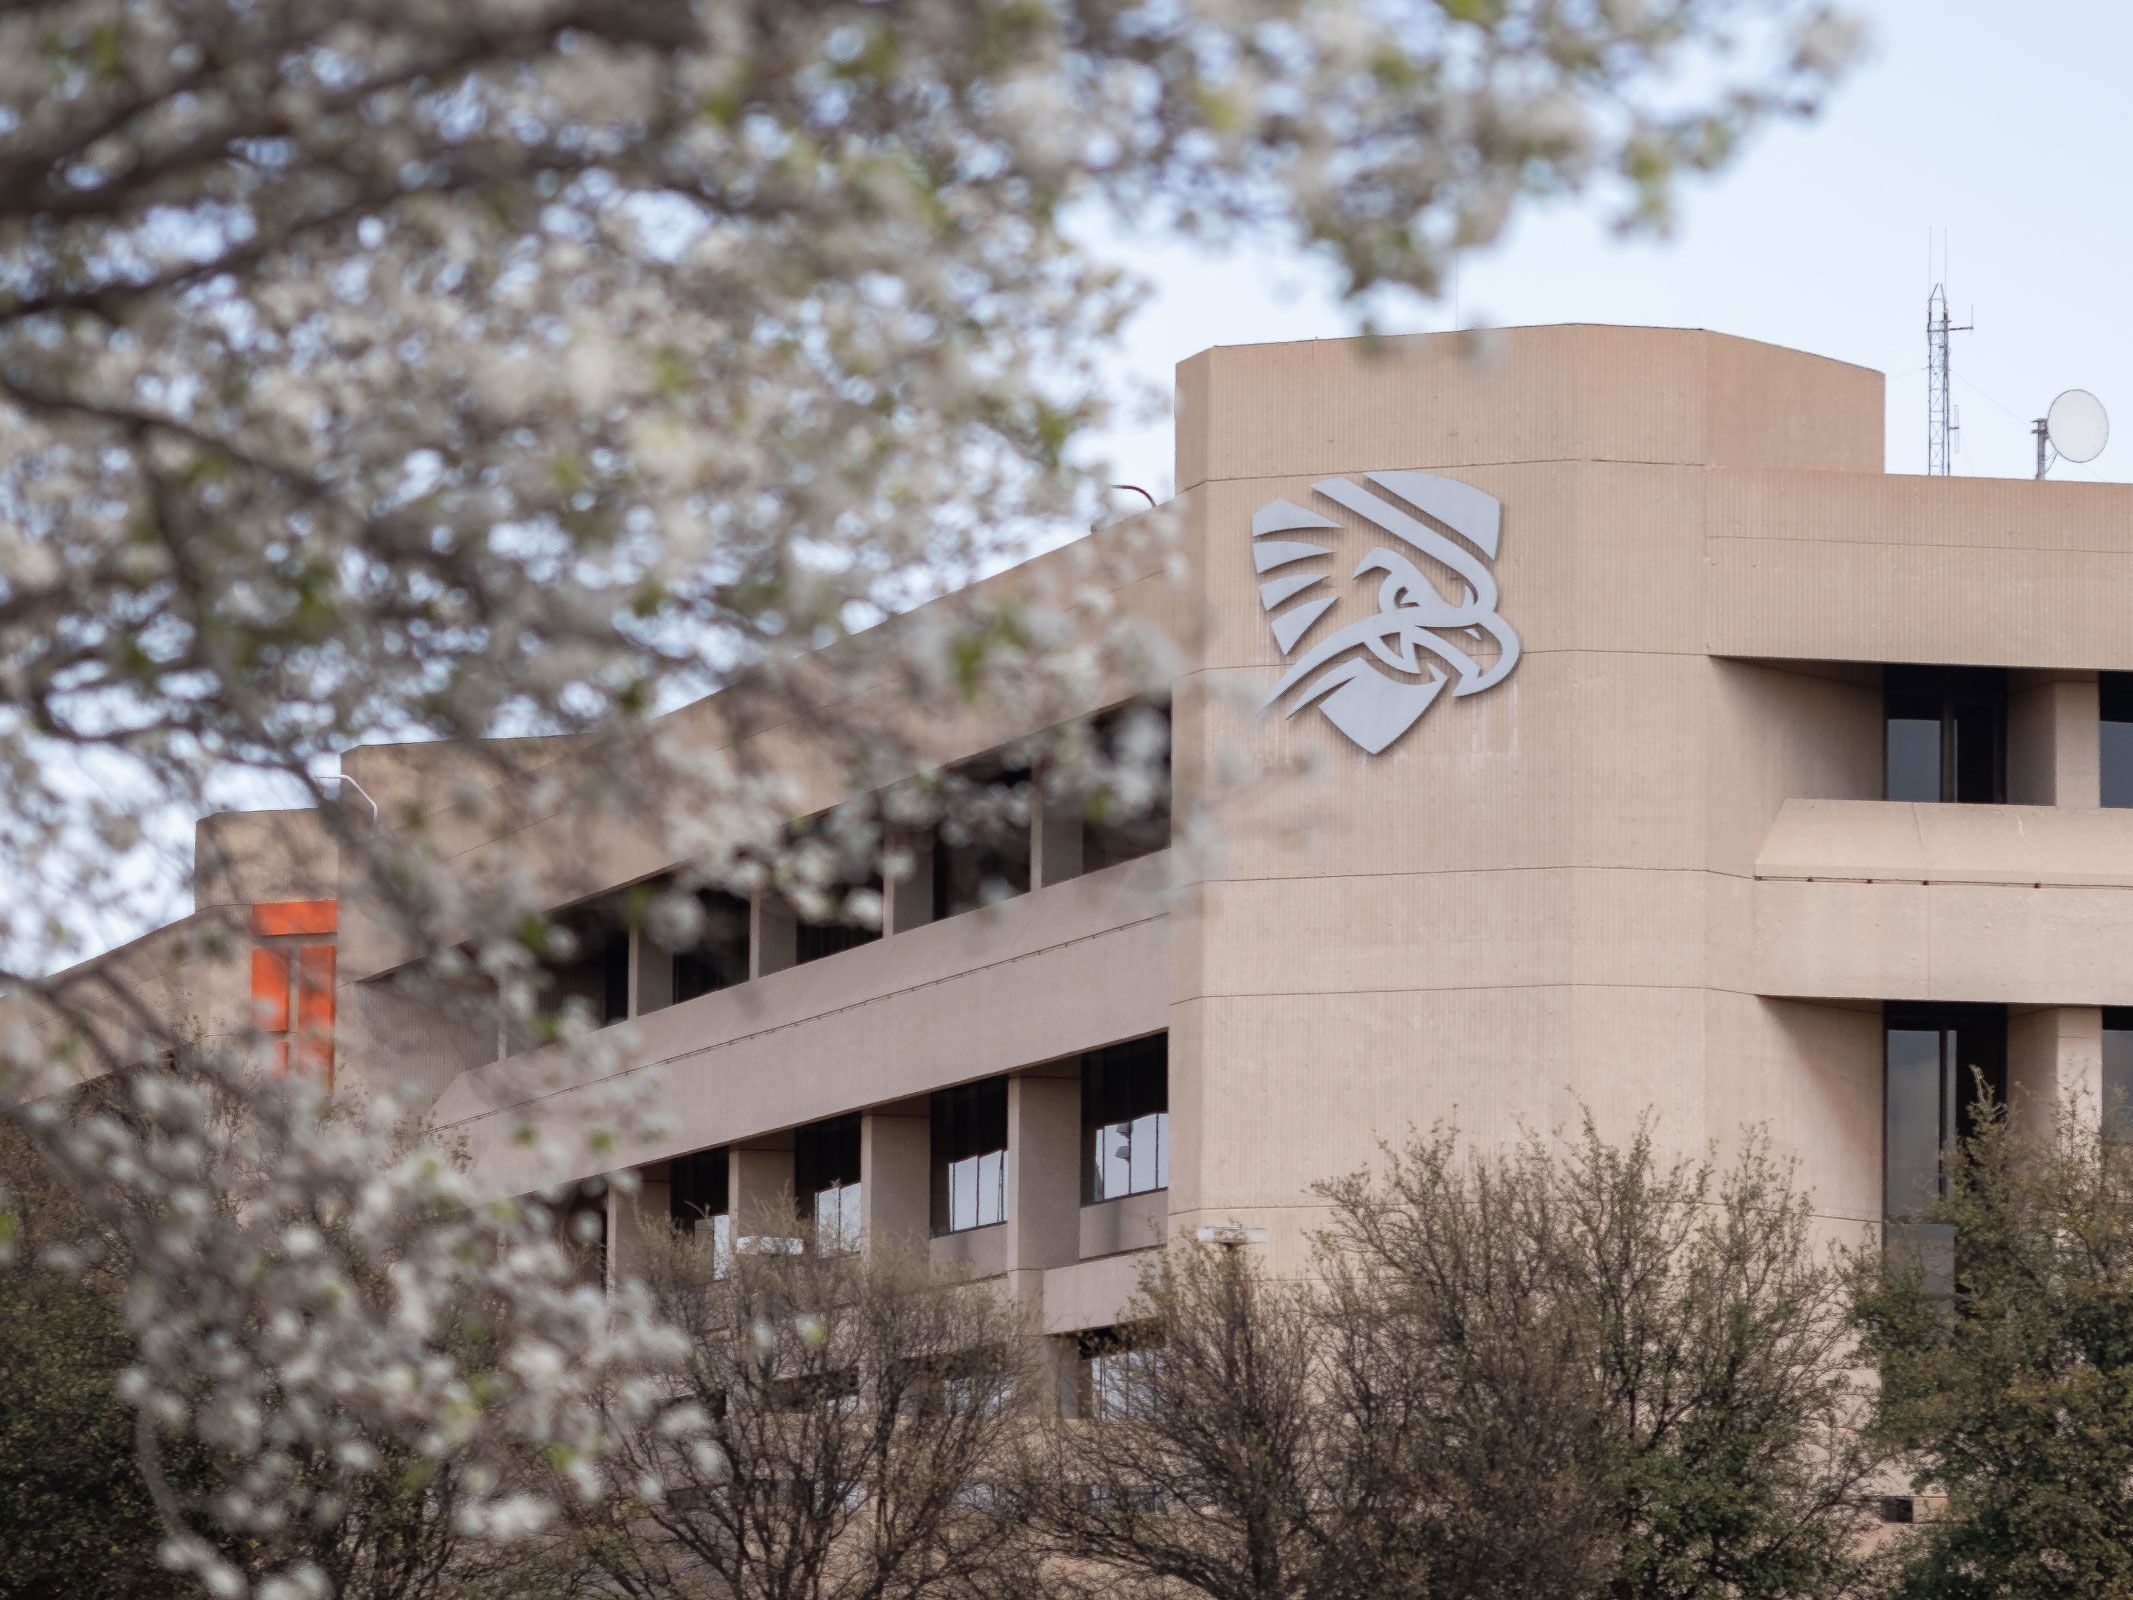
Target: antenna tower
{"type": "Point", "coordinates": [1943, 426]}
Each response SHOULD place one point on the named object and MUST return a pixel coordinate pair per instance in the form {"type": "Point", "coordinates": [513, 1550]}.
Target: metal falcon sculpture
{"type": "Point", "coordinates": [1424, 639]}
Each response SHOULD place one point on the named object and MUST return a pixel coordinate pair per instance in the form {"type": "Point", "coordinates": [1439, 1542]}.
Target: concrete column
{"type": "Point", "coordinates": [773, 936]}
{"type": "Point", "coordinates": [2053, 1052]}
{"type": "Point", "coordinates": [896, 1171]}
{"type": "Point", "coordinates": [759, 1181]}
{"type": "Point", "coordinates": [907, 902]}
{"type": "Point", "coordinates": [2053, 739]}
{"type": "Point", "coordinates": [1058, 1375]}
{"type": "Point", "coordinates": [1043, 1170]}
{"type": "Point", "coordinates": [651, 974]}
{"type": "Point", "coordinates": [1055, 839]}
{"type": "Point", "coordinates": [634, 1221]}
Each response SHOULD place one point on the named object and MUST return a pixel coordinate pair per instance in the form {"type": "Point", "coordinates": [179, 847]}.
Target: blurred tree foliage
{"type": "Point", "coordinates": [75, 1514]}
{"type": "Point", "coordinates": [2010, 1390]}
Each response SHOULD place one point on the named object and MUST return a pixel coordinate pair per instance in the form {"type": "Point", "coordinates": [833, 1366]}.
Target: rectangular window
{"type": "Point", "coordinates": [719, 958]}
{"type": "Point", "coordinates": [979, 1380]}
{"type": "Point", "coordinates": [1125, 1119]}
{"type": "Point", "coordinates": [1945, 734]}
{"type": "Point", "coordinates": [579, 1217]}
{"type": "Point", "coordinates": [853, 871]}
{"type": "Point", "coordinates": [1919, 1079]}
{"type": "Point", "coordinates": [1120, 820]}
{"type": "Point", "coordinates": [982, 854]}
{"type": "Point", "coordinates": [1939, 1063]}
{"type": "Point", "coordinates": [826, 1175]}
{"type": "Point", "coordinates": [588, 966]}
{"type": "Point", "coordinates": [2114, 692]}
{"type": "Point", "coordinates": [697, 1199]}
{"type": "Point", "coordinates": [2117, 1072]}
{"type": "Point", "coordinates": [1116, 1367]}
{"type": "Point", "coordinates": [812, 941]}
{"type": "Point", "coordinates": [697, 1186]}
{"type": "Point", "coordinates": [1913, 757]}
{"type": "Point", "coordinates": [823, 1393]}
{"type": "Point", "coordinates": [970, 1156]}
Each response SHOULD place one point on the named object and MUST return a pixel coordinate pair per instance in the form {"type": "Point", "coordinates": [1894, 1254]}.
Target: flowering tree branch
{"type": "Point", "coordinates": [484, 369]}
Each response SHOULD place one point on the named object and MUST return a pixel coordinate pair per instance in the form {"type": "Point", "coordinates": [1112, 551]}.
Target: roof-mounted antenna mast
{"type": "Point", "coordinates": [1943, 426]}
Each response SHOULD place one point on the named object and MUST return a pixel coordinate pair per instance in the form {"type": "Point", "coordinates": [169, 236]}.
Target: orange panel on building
{"type": "Point", "coordinates": [272, 917]}
{"type": "Point", "coordinates": [314, 1009]}
{"type": "Point", "coordinates": [270, 990]}
{"type": "Point", "coordinates": [309, 1045]}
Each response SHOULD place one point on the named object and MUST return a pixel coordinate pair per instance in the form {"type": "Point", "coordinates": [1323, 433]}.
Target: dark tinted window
{"type": "Point", "coordinates": [1915, 1116]}
{"type": "Point", "coordinates": [697, 1186]}
{"type": "Point", "coordinates": [579, 1215]}
{"type": "Point", "coordinates": [858, 871]}
{"type": "Point", "coordinates": [2115, 692]}
{"type": "Point", "coordinates": [1940, 1063]}
{"type": "Point", "coordinates": [826, 1174]}
{"type": "Point", "coordinates": [970, 1156]}
{"type": "Point", "coordinates": [1125, 1119]}
{"type": "Point", "coordinates": [826, 1154]}
{"type": "Point", "coordinates": [1123, 827]}
{"type": "Point", "coordinates": [2118, 1072]}
{"type": "Point", "coordinates": [1116, 1367]}
{"type": "Point", "coordinates": [719, 959]}
{"type": "Point", "coordinates": [1946, 734]}
{"type": "Point", "coordinates": [982, 854]}
{"type": "Point", "coordinates": [814, 940]}
{"type": "Point", "coordinates": [1977, 731]}
{"type": "Point", "coordinates": [590, 965]}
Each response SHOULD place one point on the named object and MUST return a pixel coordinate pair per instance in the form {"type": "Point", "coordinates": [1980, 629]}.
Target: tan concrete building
{"type": "Point", "coordinates": [1671, 760]}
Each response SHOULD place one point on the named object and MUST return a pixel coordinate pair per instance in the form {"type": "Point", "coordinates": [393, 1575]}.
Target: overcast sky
{"type": "Point", "coordinates": [2007, 126]}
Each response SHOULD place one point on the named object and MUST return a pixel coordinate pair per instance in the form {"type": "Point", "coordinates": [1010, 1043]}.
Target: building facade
{"type": "Point", "coordinates": [1635, 746]}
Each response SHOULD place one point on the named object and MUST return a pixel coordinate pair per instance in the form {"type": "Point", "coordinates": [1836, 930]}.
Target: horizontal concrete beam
{"type": "Point", "coordinates": [1047, 975]}
{"type": "Point", "coordinates": [1893, 841]}
{"type": "Point", "coordinates": [1849, 566]}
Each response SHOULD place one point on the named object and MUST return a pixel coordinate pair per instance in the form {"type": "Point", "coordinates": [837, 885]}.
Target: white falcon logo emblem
{"type": "Point", "coordinates": [1423, 639]}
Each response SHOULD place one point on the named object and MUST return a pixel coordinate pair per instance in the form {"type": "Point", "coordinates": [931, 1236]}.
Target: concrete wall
{"type": "Point", "coordinates": [1580, 890]}
{"type": "Point", "coordinates": [1650, 875]}
{"type": "Point", "coordinates": [192, 977]}
{"type": "Point", "coordinates": [1045, 976]}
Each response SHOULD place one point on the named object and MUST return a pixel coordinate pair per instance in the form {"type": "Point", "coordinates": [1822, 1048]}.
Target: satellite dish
{"type": "Point", "coordinates": [2077, 426]}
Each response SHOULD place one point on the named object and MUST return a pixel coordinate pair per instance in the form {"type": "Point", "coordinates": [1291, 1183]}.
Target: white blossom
{"type": "Point", "coordinates": [394, 370]}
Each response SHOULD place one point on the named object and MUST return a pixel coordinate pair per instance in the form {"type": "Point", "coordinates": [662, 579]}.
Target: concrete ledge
{"type": "Point", "coordinates": [1050, 974]}
{"type": "Point", "coordinates": [975, 1252]}
{"type": "Point", "coordinates": [1134, 1222]}
{"type": "Point", "coordinates": [1090, 1294]}
{"type": "Point", "coordinates": [2023, 905]}
{"type": "Point", "coordinates": [1877, 841]}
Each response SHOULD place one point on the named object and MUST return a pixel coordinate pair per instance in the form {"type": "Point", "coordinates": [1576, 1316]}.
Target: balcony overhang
{"type": "Point", "coordinates": [1875, 900]}
{"type": "Point", "coordinates": [1065, 969]}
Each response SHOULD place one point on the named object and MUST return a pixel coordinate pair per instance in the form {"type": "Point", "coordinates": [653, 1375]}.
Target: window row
{"type": "Point", "coordinates": [1006, 814]}
{"type": "Point", "coordinates": [1125, 1138]}
{"type": "Point", "coordinates": [1112, 1371]}
{"type": "Point", "coordinates": [825, 1181]}
{"type": "Point", "coordinates": [1942, 1065]}
{"type": "Point", "coordinates": [1115, 1370]}
{"type": "Point", "coordinates": [1945, 735]}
